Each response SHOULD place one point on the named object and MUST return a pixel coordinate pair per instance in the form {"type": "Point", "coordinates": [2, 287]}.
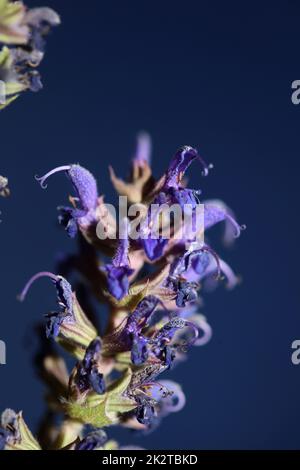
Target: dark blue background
{"type": "Point", "coordinates": [216, 75]}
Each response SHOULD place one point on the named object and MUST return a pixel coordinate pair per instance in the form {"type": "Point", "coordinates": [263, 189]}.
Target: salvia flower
{"type": "Point", "coordinates": [152, 241]}
{"type": "Point", "coordinates": [64, 297]}
{"type": "Point", "coordinates": [92, 441]}
{"type": "Point", "coordinates": [128, 336]}
{"type": "Point", "coordinates": [214, 214]}
{"type": "Point", "coordinates": [171, 191]}
{"type": "Point", "coordinates": [119, 270]}
{"type": "Point", "coordinates": [173, 183]}
{"type": "Point", "coordinates": [180, 163]}
{"type": "Point", "coordinates": [144, 340]}
{"type": "Point", "coordinates": [147, 392]}
{"type": "Point", "coordinates": [166, 397]}
{"type": "Point", "coordinates": [82, 214]}
{"type": "Point", "coordinates": [69, 325]}
{"type": "Point", "coordinates": [88, 377]}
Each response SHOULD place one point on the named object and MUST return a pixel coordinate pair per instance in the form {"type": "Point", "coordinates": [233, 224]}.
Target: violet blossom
{"type": "Point", "coordinates": [82, 214]}
{"type": "Point", "coordinates": [151, 287]}
{"type": "Point", "coordinates": [25, 32]}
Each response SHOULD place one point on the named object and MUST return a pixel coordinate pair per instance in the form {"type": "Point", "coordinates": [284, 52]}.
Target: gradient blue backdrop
{"type": "Point", "coordinates": [215, 75]}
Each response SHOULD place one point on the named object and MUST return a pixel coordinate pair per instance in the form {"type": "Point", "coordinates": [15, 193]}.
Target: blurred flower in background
{"type": "Point", "coordinates": [24, 32]}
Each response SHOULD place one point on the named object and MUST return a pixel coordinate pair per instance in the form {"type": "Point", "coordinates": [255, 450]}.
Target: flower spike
{"type": "Point", "coordinates": [151, 286]}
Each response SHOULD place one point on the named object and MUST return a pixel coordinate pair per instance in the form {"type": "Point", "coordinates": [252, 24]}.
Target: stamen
{"type": "Point", "coordinates": [22, 295]}
{"type": "Point", "coordinates": [42, 179]}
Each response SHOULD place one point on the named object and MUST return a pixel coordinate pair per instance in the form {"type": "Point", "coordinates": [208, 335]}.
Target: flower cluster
{"type": "Point", "coordinates": [150, 286]}
{"type": "Point", "coordinates": [24, 31]}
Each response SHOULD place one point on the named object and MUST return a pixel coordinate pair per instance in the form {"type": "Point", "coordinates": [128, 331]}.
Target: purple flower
{"type": "Point", "coordinates": [152, 242]}
{"type": "Point", "coordinates": [154, 247]}
{"type": "Point", "coordinates": [153, 320]}
{"type": "Point", "coordinates": [128, 336]}
{"type": "Point", "coordinates": [84, 204]}
{"type": "Point", "coordinates": [161, 343]}
{"type": "Point", "coordinates": [173, 179]}
{"type": "Point", "coordinates": [93, 441]}
{"type": "Point", "coordinates": [214, 214]}
{"type": "Point", "coordinates": [187, 269]}
{"type": "Point", "coordinates": [139, 350]}
{"type": "Point", "coordinates": [185, 292]}
{"type": "Point", "coordinates": [197, 260]}
{"type": "Point", "coordinates": [169, 399]}
{"type": "Point", "coordinates": [195, 266]}
{"type": "Point", "coordinates": [117, 279]}
{"type": "Point", "coordinates": [140, 318]}
{"type": "Point", "coordinates": [132, 335]}
{"type": "Point", "coordinates": [141, 390]}
{"type": "Point", "coordinates": [88, 376]}
{"type": "Point", "coordinates": [119, 271]}
{"type": "Point", "coordinates": [65, 301]}
{"type": "Point", "coordinates": [210, 279]}
{"type": "Point", "coordinates": [172, 192]}
{"type": "Point", "coordinates": [148, 394]}
{"type": "Point", "coordinates": [180, 163]}
{"type": "Point", "coordinates": [145, 413]}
